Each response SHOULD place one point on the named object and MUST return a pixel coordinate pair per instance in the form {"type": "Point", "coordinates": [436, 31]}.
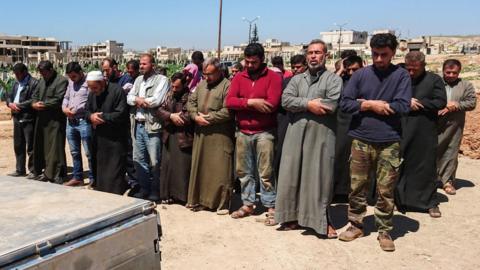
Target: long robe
{"type": "Point", "coordinates": [305, 184]}
{"type": "Point", "coordinates": [177, 148]}
{"type": "Point", "coordinates": [211, 176]}
{"type": "Point", "coordinates": [450, 127]}
{"type": "Point", "coordinates": [50, 128]}
{"type": "Point", "coordinates": [416, 188]}
{"type": "Point", "coordinates": [110, 140]}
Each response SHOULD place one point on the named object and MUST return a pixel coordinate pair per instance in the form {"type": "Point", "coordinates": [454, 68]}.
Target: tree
{"type": "Point", "coordinates": [255, 38]}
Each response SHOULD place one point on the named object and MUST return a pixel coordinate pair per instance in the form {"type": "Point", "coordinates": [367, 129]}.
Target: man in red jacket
{"type": "Point", "coordinates": [255, 96]}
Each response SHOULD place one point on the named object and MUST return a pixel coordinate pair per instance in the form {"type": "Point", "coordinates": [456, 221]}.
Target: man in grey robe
{"type": "Point", "coordinates": [461, 98]}
{"type": "Point", "coordinates": [305, 182]}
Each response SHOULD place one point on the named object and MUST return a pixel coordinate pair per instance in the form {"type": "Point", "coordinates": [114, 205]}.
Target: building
{"type": "Point", "coordinates": [29, 50]}
{"type": "Point", "coordinates": [165, 54]}
{"type": "Point", "coordinates": [345, 37]}
{"type": "Point", "coordinates": [232, 53]}
{"type": "Point", "coordinates": [97, 51]}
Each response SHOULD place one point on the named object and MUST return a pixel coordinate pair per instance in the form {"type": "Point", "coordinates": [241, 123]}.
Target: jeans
{"type": "Point", "coordinates": [146, 157]}
{"type": "Point", "coordinates": [255, 157]}
{"type": "Point", "coordinates": [79, 132]}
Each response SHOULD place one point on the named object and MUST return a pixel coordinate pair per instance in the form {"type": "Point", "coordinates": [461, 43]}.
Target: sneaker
{"type": "Point", "coordinates": [17, 174]}
{"type": "Point", "coordinates": [352, 233]}
{"type": "Point", "coordinates": [385, 241]}
{"type": "Point", "coordinates": [32, 176]}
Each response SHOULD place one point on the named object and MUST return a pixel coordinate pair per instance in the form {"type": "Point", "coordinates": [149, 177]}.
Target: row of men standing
{"type": "Point", "coordinates": [202, 123]}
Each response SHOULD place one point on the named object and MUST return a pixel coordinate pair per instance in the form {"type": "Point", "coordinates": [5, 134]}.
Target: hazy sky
{"type": "Point", "coordinates": [193, 23]}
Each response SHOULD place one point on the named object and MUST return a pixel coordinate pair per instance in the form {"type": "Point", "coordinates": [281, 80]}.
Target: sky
{"type": "Point", "coordinates": [193, 24]}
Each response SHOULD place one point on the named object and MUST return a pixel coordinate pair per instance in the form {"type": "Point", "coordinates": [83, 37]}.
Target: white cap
{"type": "Point", "coordinates": [95, 76]}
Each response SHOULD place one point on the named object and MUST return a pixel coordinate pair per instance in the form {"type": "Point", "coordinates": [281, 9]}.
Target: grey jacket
{"type": "Point", "coordinates": [156, 88]}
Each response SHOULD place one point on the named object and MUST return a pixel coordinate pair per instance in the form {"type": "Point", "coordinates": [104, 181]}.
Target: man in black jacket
{"type": "Point", "coordinates": [19, 102]}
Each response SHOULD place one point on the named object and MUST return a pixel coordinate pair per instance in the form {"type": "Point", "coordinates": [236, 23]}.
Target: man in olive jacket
{"type": "Point", "coordinates": [49, 142]}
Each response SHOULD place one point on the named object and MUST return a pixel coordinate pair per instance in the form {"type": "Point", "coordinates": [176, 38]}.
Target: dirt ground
{"type": "Point", "coordinates": [204, 240]}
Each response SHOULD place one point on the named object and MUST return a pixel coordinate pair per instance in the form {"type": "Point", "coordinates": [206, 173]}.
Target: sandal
{"type": "Point", "coordinates": [270, 218]}
{"type": "Point", "coordinates": [222, 212]}
{"type": "Point", "coordinates": [198, 208]}
{"type": "Point", "coordinates": [243, 211]}
{"type": "Point", "coordinates": [289, 226]}
{"type": "Point", "coordinates": [449, 188]}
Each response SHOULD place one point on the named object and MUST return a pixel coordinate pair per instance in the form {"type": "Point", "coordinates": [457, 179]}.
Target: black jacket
{"type": "Point", "coordinates": [26, 114]}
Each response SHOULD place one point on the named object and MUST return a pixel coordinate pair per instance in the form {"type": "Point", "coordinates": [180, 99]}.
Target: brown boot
{"type": "Point", "coordinates": [74, 183]}
{"type": "Point", "coordinates": [386, 242]}
{"type": "Point", "coordinates": [352, 233]}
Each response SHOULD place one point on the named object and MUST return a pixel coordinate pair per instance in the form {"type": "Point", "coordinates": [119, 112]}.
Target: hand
{"type": "Point", "coordinates": [68, 112]}
{"type": "Point", "coordinates": [13, 107]}
{"type": "Point", "coordinates": [38, 106]}
{"type": "Point", "coordinates": [416, 105]}
{"type": "Point", "coordinates": [443, 111]}
{"type": "Point", "coordinates": [177, 119]}
{"type": "Point", "coordinates": [316, 107]}
{"type": "Point", "coordinates": [453, 106]}
{"type": "Point", "coordinates": [140, 102]}
{"type": "Point", "coordinates": [200, 120]}
{"type": "Point", "coordinates": [260, 105]}
{"type": "Point", "coordinates": [341, 69]}
{"type": "Point", "coordinates": [377, 106]}
{"type": "Point", "coordinates": [96, 119]}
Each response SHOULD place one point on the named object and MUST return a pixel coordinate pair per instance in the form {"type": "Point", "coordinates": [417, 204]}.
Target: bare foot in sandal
{"type": "Point", "coordinates": [270, 218]}
{"type": "Point", "coordinates": [243, 211]}
{"type": "Point", "coordinates": [331, 232]}
{"type": "Point", "coordinates": [449, 188]}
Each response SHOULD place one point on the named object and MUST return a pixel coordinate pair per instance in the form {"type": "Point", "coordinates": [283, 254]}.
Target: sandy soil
{"type": "Point", "coordinates": [205, 240]}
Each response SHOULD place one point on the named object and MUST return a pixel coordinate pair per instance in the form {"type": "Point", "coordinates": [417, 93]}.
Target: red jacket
{"type": "Point", "coordinates": [268, 86]}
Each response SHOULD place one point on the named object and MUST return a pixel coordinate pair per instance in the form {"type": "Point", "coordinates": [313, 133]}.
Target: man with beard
{"type": "Point", "coordinates": [376, 96]}
{"type": "Point", "coordinates": [211, 175]}
{"type": "Point", "coordinates": [107, 111]}
{"type": "Point", "coordinates": [50, 127]}
{"type": "Point", "coordinates": [254, 95]}
{"type": "Point", "coordinates": [461, 98]}
{"type": "Point", "coordinates": [147, 94]}
{"type": "Point", "coordinates": [305, 182]}
{"type": "Point", "coordinates": [417, 186]}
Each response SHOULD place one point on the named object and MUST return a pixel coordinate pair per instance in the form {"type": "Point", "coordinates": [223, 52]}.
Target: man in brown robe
{"type": "Point", "coordinates": [211, 176]}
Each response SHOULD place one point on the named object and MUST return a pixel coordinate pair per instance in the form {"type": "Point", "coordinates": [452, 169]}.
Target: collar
{"type": "Point", "coordinates": [25, 80]}
{"type": "Point", "coordinates": [264, 71]}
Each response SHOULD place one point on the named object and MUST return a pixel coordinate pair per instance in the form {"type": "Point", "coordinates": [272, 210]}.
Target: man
{"type": "Point", "coordinates": [107, 112]}
{"type": "Point", "coordinates": [298, 64]}
{"type": "Point", "coordinates": [277, 61]}
{"type": "Point", "coordinates": [49, 135]}
{"type": "Point", "coordinates": [376, 96]}
{"type": "Point", "coordinates": [195, 69]}
{"type": "Point", "coordinates": [417, 185]}
{"type": "Point", "coordinates": [255, 95]}
{"type": "Point", "coordinates": [461, 98]}
{"type": "Point", "coordinates": [236, 69]}
{"type": "Point", "coordinates": [305, 181]}
{"type": "Point", "coordinates": [145, 97]}
{"type": "Point", "coordinates": [128, 78]}
{"type": "Point", "coordinates": [110, 70]}
{"type": "Point", "coordinates": [79, 131]}
{"type": "Point", "coordinates": [19, 102]}
{"type": "Point", "coordinates": [211, 175]}
{"type": "Point", "coordinates": [343, 142]}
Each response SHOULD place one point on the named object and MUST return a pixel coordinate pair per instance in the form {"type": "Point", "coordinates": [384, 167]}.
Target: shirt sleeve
{"type": "Point", "coordinates": [469, 98]}
{"type": "Point", "coordinates": [439, 96]}
{"type": "Point", "coordinates": [274, 92]}
{"type": "Point", "coordinates": [291, 101]}
{"type": "Point", "coordinates": [131, 94]}
{"type": "Point", "coordinates": [233, 100]}
{"type": "Point", "coordinates": [66, 98]}
{"type": "Point", "coordinates": [159, 93]}
{"type": "Point", "coordinates": [350, 94]}
{"type": "Point", "coordinates": [403, 95]}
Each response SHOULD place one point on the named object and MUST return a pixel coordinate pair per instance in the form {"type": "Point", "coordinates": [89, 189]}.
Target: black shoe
{"type": "Point", "coordinates": [58, 180]}
{"type": "Point", "coordinates": [43, 178]}
{"type": "Point", "coordinates": [133, 190]}
{"type": "Point", "coordinates": [32, 176]}
{"type": "Point", "coordinates": [17, 174]}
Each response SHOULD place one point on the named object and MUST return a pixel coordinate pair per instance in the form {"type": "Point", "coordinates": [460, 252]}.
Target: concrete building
{"type": "Point", "coordinates": [97, 51]}
{"type": "Point", "coordinates": [29, 50]}
{"type": "Point", "coordinates": [345, 37]}
{"type": "Point", "coordinates": [165, 54]}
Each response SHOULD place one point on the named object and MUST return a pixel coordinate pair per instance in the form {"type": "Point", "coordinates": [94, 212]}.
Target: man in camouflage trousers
{"type": "Point", "coordinates": [376, 96]}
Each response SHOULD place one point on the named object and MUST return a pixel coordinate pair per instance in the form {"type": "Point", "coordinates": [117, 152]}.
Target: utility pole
{"type": "Point", "coordinates": [340, 35]}
{"type": "Point", "coordinates": [219, 31]}
{"type": "Point", "coordinates": [250, 22]}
